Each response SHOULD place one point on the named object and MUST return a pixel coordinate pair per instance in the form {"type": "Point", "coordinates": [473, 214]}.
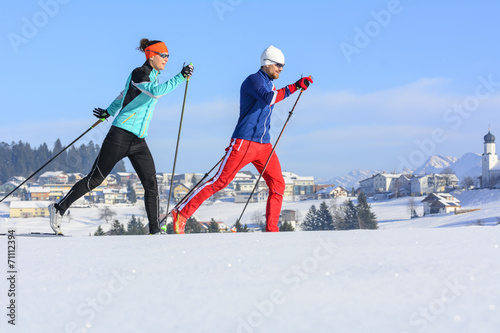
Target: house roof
{"type": "Point", "coordinates": [442, 200]}
{"type": "Point", "coordinates": [52, 174]}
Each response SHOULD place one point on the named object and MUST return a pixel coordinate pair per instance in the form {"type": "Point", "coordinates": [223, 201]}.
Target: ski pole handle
{"type": "Point", "coordinates": [310, 76]}
{"type": "Point", "coordinates": [98, 122]}
{"type": "Point", "coordinates": [189, 76]}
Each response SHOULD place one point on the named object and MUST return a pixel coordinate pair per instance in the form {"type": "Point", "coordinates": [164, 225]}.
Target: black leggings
{"type": "Point", "coordinates": [118, 144]}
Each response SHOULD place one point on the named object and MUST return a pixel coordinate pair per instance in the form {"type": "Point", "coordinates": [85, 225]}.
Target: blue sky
{"type": "Point", "coordinates": [395, 81]}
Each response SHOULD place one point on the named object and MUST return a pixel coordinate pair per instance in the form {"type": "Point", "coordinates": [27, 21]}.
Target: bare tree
{"type": "Point", "coordinates": [258, 218]}
{"type": "Point", "coordinates": [298, 216]}
{"type": "Point", "coordinates": [412, 205]}
{"type": "Point", "coordinates": [447, 173]}
{"type": "Point", "coordinates": [106, 213]}
{"type": "Point", "coordinates": [467, 182]}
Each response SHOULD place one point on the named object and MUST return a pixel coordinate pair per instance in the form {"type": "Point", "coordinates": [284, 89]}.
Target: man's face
{"type": "Point", "coordinates": [273, 70]}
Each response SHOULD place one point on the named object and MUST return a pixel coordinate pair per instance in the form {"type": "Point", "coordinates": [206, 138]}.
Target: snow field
{"type": "Point", "coordinates": [401, 280]}
{"type": "Point", "coordinates": [431, 274]}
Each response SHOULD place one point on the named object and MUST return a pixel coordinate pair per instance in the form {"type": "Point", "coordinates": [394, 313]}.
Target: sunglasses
{"type": "Point", "coordinates": [276, 63]}
{"type": "Point", "coordinates": [163, 55]}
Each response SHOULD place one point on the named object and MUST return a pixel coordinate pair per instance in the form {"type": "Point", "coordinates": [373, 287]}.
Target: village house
{"type": "Point", "coordinates": [288, 215]}
{"type": "Point", "coordinates": [222, 226]}
{"type": "Point", "coordinates": [423, 185]}
{"type": "Point", "coordinates": [331, 192]}
{"type": "Point", "coordinates": [179, 192]}
{"type": "Point", "coordinates": [114, 196]}
{"type": "Point", "coordinates": [11, 184]}
{"type": "Point", "coordinates": [26, 209]}
{"type": "Point", "coordinates": [53, 177]}
{"type": "Point", "coordinates": [440, 203]}
{"type": "Point", "coordinates": [303, 186]}
{"type": "Point", "coordinates": [380, 183]}
{"type": "Point", "coordinates": [39, 193]}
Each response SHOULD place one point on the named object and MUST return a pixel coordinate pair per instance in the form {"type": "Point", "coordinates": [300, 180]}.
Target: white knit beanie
{"type": "Point", "coordinates": [272, 55]}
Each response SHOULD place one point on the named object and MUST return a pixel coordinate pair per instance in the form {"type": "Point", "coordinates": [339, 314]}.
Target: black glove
{"type": "Point", "coordinates": [101, 113]}
{"type": "Point", "coordinates": [187, 71]}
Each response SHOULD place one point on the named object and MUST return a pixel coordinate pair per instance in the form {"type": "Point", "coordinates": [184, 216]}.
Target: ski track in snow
{"type": "Point", "coordinates": [431, 274]}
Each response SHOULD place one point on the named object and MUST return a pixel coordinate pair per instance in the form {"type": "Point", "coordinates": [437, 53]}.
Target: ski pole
{"type": "Point", "coordinates": [177, 146]}
{"type": "Point", "coordinates": [193, 188]}
{"type": "Point", "coordinates": [270, 155]}
{"type": "Point", "coordinates": [43, 166]}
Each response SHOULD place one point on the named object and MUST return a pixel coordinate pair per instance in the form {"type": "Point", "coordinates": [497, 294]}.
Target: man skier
{"type": "Point", "coordinates": [250, 142]}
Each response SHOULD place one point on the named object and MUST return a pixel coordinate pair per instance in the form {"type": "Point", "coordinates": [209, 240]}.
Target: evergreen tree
{"type": "Point", "coordinates": [19, 159]}
{"type": "Point", "coordinates": [60, 162]}
{"type": "Point", "coordinates": [324, 219]}
{"type": "Point", "coordinates": [99, 231]}
{"type": "Point", "coordinates": [366, 218]}
{"type": "Point", "coordinates": [117, 228]}
{"type": "Point", "coordinates": [192, 227]}
{"type": "Point", "coordinates": [348, 218]}
{"type": "Point", "coordinates": [42, 155]}
{"type": "Point", "coordinates": [135, 227]}
{"type": "Point", "coordinates": [286, 226]}
{"type": "Point", "coordinates": [239, 227]}
{"type": "Point", "coordinates": [213, 227]}
{"type": "Point", "coordinates": [74, 159]}
{"type": "Point", "coordinates": [309, 223]}
{"type": "Point", "coordinates": [6, 167]}
{"type": "Point", "coordinates": [132, 196]}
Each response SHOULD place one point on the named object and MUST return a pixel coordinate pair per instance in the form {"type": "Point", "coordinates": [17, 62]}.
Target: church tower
{"type": "Point", "coordinates": [489, 159]}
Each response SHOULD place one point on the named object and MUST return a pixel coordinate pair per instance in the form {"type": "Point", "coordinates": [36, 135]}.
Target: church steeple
{"type": "Point", "coordinates": [489, 138]}
{"type": "Point", "coordinates": [489, 161]}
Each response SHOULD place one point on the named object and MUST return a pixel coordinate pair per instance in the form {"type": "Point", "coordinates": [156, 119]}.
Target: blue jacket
{"type": "Point", "coordinates": [257, 98]}
{"type": "Point", "coordinates": [138, 99]}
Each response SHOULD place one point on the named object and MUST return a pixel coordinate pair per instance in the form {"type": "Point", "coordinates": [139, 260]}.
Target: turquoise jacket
{"type": "Point", "coordinates": [137, 101]}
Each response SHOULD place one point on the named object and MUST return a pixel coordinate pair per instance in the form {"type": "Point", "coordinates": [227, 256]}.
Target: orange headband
{"type": "Point", "coordinates": [158, 47]}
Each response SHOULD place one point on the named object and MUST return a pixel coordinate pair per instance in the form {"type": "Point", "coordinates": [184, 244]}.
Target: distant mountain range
{"type": "Point", "coordinates": [467, 165]}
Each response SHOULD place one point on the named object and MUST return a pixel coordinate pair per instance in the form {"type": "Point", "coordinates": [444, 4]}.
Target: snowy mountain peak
{"type": "Point", "coordinates": [467, 165]}
{"type": "Point", "coordinates": [436, 164]}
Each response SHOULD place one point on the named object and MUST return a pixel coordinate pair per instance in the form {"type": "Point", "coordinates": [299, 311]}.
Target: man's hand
{"type": "Point", "coordinates": [303, 83]}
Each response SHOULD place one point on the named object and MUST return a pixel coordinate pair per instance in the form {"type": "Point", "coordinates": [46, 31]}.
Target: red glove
{"type": "Point", "coordinates": [303, 83]}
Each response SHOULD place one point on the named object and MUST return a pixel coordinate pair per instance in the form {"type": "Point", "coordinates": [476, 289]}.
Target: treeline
{"type": "Point", "coordinates": [20, 159]}
{"type": "Point", "coordinates": [347, 216]}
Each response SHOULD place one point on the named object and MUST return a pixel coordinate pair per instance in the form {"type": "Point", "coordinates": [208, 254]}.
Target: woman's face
{"type": "Point", "coordinates": [158, 62]}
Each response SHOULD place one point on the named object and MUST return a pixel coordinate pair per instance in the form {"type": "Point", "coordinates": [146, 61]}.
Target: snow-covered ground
{"type": "Point", "coordinates": [431, 274]}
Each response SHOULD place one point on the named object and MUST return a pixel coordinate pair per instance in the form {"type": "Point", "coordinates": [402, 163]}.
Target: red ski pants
{"type": "Point", "coordinates": [240, 153]}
